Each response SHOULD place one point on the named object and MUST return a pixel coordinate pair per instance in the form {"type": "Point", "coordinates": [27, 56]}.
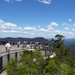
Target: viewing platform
{"type": "Point", "coordinates": [14, 53]}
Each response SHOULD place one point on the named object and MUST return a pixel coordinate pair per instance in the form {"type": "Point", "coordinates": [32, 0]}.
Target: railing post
{"type": "Point", "coordinates": [34, 47]}
{"type": "Point", "coordinates": [52, 51]}
{"type": "Point", "coordinates": [23, 52]}
{"type": "Point", "coordinates": [31, 54]}
{"type": "Point", "coordinates": [31, 46]}
{"type": "Point", "coordinates": [45, 52]}
{"type": "Point", "coordinates": [49, 52]}
{"type": "Point", "coordinates": [15, 54]}
{"type": "Point", "coordinates": [8, 57]}
{"type": "Point", "coordinates": [39, 48]}
{"type": "Point", "coordinates": [0, 63]}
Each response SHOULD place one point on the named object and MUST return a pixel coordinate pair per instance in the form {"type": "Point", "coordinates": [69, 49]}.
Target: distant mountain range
{"type": "Point", "coordinates": [37, 39]}
{"type": "Point", "coordinates": [67, 42]}
{"type": "Point", "coordinates": [71, 44]}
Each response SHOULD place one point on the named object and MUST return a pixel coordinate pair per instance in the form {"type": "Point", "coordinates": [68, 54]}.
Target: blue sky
{"type": "Point", "coordinates": [37, 18]}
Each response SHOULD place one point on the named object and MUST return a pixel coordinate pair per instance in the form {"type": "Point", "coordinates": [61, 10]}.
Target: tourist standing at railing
{"type": "Point", "coordinates": [8, 47]}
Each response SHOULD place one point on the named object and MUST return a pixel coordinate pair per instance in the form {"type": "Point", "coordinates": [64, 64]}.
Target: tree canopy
{"type": "Point", "coordinates": [35, 64]}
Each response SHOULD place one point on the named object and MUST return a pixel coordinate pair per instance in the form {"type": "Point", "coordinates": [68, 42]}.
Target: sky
{"type": "Point", "coordinates": [37, 18]}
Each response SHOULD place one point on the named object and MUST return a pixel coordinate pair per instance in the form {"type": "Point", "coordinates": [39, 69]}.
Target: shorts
{"type": "Point", "coordinates": [8, 51]}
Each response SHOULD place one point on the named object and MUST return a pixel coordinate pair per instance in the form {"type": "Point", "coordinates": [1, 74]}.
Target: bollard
{"type": "Point", "coordinates": [0, 63]}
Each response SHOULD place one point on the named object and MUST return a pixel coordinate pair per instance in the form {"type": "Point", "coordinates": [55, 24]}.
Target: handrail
{"type": "Point", "coordinates": [10, 51]}
{"type": "Point", "coordinates": [8, 58]}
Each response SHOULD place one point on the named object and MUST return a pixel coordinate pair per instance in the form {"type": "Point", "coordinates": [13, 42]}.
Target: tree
{"type": "Point", "coordinates": [61, 52]}
{"type": "Point", "coordinates": [59, 37]}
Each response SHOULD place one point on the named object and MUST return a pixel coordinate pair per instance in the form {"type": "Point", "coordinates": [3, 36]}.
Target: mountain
{"type": "Point", "coordinates": [69, 42]}
{"type": "Point", "coordinates": [72, 48]}
{"type": "Point", "coordinates": [37, 39]}
{"type": "Point", "coordinates": [13, 39]}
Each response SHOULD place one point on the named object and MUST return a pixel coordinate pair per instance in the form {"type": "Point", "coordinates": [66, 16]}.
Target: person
{"type": "Point", "coordinates": [8, 47]}
{"type": "Point", "coordinates": [28, 46]}
{"type": "Point", "coordinates": [18, 44]}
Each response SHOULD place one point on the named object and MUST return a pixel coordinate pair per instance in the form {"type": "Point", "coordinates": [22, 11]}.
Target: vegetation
{"type": "Point", "coordinates": [72, 48]}
{"type": "Point", "coordinates": [34, 63]}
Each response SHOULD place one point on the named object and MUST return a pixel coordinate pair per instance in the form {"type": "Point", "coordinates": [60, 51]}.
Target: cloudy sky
{"type": "Point", "coordinates": [37, 18]}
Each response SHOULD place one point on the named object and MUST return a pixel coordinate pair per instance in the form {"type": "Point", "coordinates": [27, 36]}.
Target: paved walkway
{"type": "Point", "coordinates": [2, 47]}
{"type": "Point", "coordinates": [3, 73]}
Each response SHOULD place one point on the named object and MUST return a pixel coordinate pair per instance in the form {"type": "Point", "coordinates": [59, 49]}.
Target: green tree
{"type": "Point", "coordinates": [59, 37]}
{"type": "Point", "coordinates": [66, 70]}
{"type": "Point", "coordinates": [51, 68]}
{"type": "Point", "coordinates": [12, 67]}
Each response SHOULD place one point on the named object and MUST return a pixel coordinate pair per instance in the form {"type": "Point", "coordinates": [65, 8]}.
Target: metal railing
{"type": "Point", "coordinates": [4, 57]}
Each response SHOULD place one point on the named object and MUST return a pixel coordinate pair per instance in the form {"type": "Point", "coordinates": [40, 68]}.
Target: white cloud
{"type": "Point", "coordinates": [12, 1]}
{"type": "Point", "coordinates": [13, 31]}
{"type": "Point", "coordinates": [52, 25]}
{"type": "Point", "coordinates": [45, 1]}
{"type": "Point", "coordinates": [18, 0]}
{"type": "Point", "coordinates": [66, 28]}
{"type": "Point", "coordinates": [50, 28]}
{"type": "Point", "coordinates": [8, 26]}
{"type": "Point", "coordinates": [70, 20]}
{"type": "Point", "coordinates": [73, 29]}
{"type": "Point", "coordinates": [68, 34]}
{"type": "Point", "coordinates": [39, 26]}
{"type": "Point", "coordinates": [5, 31]}
{"type": "Point", "coordinates": [66, 24]}
{"type": "Point", "coordinates": [1, 21]}
{"type": "Point", "coordinates": [74, 24]}
{"type": "Point", "coordinates": [29, 28]}
{"type": "Point", "coordinates": [71, 33]}
{"type": "Point", "coordinates": [57, 31]}
{"type": "Point", "coordinates": [42, 29]}
{"type": "Point", "coordinates": [7, 0]}
{"type": "Point", "coordinates": [5, 25]}
{"type": "Point", "coordinates": [8, 29]}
